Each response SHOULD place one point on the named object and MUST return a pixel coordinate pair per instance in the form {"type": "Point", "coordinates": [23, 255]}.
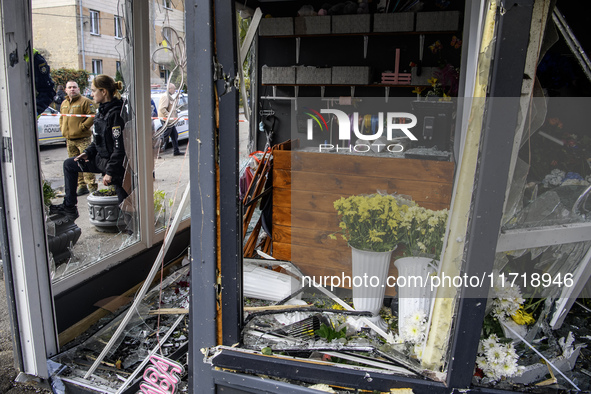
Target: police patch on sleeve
{"type": "Point", "coordinates": [116, 134]}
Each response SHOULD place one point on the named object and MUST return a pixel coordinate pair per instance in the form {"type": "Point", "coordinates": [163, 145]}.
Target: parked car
{"type": "Point", "coordinates": [48, 128]}
{"type": "Point", "coordinates": [182, 126]}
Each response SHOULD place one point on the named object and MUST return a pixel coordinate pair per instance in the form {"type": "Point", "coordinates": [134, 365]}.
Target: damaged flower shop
{"type": "Point", "coordinates": [412, 216]}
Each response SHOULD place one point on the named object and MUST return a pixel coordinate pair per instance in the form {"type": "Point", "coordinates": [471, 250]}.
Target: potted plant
{"type": "Point", "coordinates": [371, 226]}
{"type": "Point", "coordinates": [104, 211]}
{"type": "Point", "coordinates": [422, 232]}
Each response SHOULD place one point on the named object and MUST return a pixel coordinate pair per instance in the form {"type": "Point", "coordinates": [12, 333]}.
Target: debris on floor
{"type": "Point", "coordinates": [312, 327]}
{"type": "Point", "coordinates": [148, 335]}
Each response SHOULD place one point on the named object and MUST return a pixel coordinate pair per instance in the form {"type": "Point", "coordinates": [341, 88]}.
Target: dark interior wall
{"type": "Point", "coordinates": [343, 50]}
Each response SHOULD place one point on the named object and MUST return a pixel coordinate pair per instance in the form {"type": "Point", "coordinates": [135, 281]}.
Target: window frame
{"type": "Point", "coordinates": [97, 70]}
{"type": "Point", "coordinates": [166, 72]}
{"type": "Point", "coordinates": [167, 4]}
{"type": "Point", "coordinates": [462, 350]}
{"type": "Point", "coordinates": [118, 33]}
{"type": "Point", "coordinates": [139, 34]}
{"type": "Point", "coordinates": [95, 24]}
{"type": "Point", "coordinates": [34, 326]}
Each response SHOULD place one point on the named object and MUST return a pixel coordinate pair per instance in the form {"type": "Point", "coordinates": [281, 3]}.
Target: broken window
{"type": "Point", "coordinates": [349, 167]}
{"type": "Point", "coordinates": [527, 332]}
{"type": "Point", "coordinates": [532, 289]}
{"type": "Point", "coordinates": [105, 228]}
{"type": "Point", "coordinates": [157, 328]}
{"type": "Point", "coordinates": [534, 326]}
{"type": "Point", "coordinates": [170, 116]}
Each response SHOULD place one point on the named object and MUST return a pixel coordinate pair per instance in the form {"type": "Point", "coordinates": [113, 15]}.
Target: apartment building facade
{"type": "Point", "coordinates": [89, 35]}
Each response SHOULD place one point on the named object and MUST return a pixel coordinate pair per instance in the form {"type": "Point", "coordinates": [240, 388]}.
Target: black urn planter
{"type": "Point", "coordinates": [66, 235]}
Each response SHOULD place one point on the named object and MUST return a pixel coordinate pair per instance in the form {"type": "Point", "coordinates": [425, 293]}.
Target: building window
{"type": "Point", "coordinates": [97, 66]}
{"type": "Point", "coordinates": [118, 28]}
{"type": "Point", "coordinates": [164, 74]}
{"type": "Point", "coordinates": [94, 22]}
{"type": "Point", "coordinates": [167, 3]}
{"type": "Point", "coordinates": [117, 66]}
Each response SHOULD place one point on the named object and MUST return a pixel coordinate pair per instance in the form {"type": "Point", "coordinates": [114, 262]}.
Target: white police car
{"type": "Point", "coordinates": [48, 128]}
{"type": "Point", "coordinates": [182, 126]}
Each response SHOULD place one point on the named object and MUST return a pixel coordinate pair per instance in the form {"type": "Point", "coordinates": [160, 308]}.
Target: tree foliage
{"type": "Point", "coordinates": [61, 76]}
{"type": "Point", "coordinates": [119, 77]}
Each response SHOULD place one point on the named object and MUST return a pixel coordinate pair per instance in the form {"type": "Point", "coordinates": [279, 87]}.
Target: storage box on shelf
{"type": "Point", "coordinates": [351, 75]}
{"type": "Point", "coordinates": [438, 21]}
{"type": "Point", "coordinates": [276, 27]}
{"type": "Point", "coordinates": [313, 75]}
{"type": "Point", "coordinates": [394, 22]}
{"type": "Point", "coordinates": [278, 75]}
{"type": "Point", "coordinates": [347, 24]}
{"type": "Point", "coordinates": [312, 25]}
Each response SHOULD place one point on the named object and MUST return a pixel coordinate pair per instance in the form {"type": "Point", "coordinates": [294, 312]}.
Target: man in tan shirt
{"type": "Point", "coordinates": [77, 131]}
{"type": "Point", "coordinates": [165, 109]}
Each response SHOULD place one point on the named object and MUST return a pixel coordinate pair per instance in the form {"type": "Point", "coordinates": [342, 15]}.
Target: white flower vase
{"type": "Point", "coordinates": [411, 298]}
{"type": "Point", "coordinates": [370, 271]}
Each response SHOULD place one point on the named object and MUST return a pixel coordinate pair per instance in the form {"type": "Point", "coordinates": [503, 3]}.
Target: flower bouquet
{"type": "Point", "coordinates": [497, 360]}
{"type": "Point", "coordinates": [423, 231]}
{"type": "Point", "coordinates": [445, 79]}
{"type": "Point", "coordinates": [371, 222]}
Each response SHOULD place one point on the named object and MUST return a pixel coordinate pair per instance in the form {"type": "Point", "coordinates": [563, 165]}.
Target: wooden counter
{"type": "Point", "coordinates": [305, 185]}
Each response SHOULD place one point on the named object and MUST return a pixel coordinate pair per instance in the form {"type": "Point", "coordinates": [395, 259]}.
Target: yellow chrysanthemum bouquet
{"type": "Point", "coordinates": [422, 231]}
{"type": "Point", "coordinates": [371, 222]}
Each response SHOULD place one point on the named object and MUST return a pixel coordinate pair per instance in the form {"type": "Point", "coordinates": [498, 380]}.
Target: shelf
{"type": "Point", "coordinates": [323, 88]}
{"type": "Point", "coordinates": [365, 36]}
{"type": "Point", "coordinates": [395, 33]}
{"type": "Point", "coordinates": [377, 85]}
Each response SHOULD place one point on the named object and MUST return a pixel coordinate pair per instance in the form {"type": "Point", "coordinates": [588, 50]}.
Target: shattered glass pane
{"type": "Point", "coordinates": [100, 230]}
{"type": "Point", "coordinates": [537, 321]}
{"type": "Point", "coordinates": [144, 332]}
{"type": "Point", "coordinates": [170, 113]}
{"type": "Point", "coordinates": [552, 207]}
{"type": "Point", "coordinates": [517, 190]}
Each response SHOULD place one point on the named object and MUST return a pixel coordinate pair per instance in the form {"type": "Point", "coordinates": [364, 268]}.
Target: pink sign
{"type": "Point", "coordinates": [161, 377]}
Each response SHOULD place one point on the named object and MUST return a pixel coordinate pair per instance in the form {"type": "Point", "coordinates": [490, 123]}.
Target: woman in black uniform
{"type": "Point", "coordinates": [105, 154]}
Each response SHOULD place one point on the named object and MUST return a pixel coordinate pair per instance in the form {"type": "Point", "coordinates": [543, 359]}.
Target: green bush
{"type": "Point", "coordinates": [48, 193]}
{"type": "Point", "coordinates": [160, 201]}
{"type": "Point", "coordinates": [61, 76]}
